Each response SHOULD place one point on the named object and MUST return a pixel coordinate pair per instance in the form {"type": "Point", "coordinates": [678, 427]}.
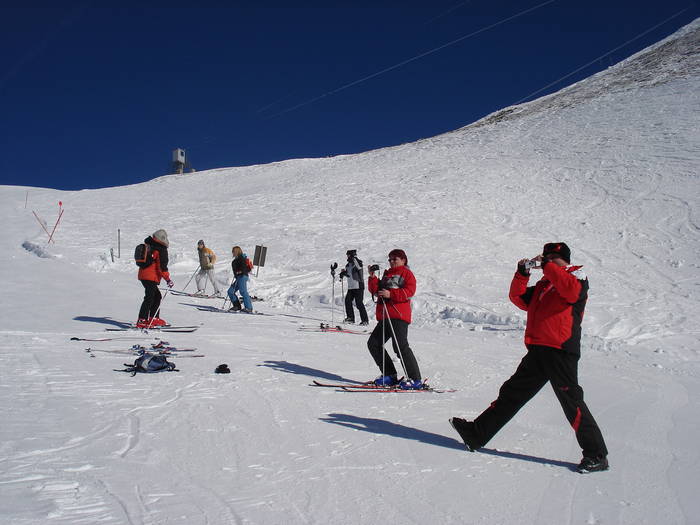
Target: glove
{"type": "Point", "coordinates": [343, 273]}
{"type": "Point", "coordinates": [170, 283]}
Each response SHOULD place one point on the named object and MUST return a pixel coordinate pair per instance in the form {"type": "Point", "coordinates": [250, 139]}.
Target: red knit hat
{"type": "Point", "coordinates": [399, 253]}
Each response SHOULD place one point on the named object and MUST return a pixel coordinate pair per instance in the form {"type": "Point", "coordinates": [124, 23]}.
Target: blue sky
{"type": "Point", "coordinates": [94, 96]}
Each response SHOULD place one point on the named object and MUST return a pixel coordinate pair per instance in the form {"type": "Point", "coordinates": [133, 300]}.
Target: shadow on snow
{"type": "Point", "coordinates": [103, 320]}
{"type": "Point", "coordinates": [292, 368]}
{"type": "Point", "coordinates": [525, 457]}
{"type": "Point", "coordinates": [380, 426]}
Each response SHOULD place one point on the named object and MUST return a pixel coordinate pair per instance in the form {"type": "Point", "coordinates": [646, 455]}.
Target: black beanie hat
{"type": "Point", "coordinates": [559, 248]}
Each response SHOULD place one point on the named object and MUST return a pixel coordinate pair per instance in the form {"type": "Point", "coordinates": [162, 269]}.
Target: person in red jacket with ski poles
{"type": "Point", "coordinates": [150, 277]}
{"type": "Point", "coordinates": [394, 292]}
{"type": "Point", "coordinates": [555, 307]}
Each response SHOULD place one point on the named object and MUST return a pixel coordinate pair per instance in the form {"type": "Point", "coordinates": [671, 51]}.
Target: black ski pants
{"type": "Point", "coordinates": [381, 333]}
{"type": "Point", "coordinates": [151, 300]}
{"type": "Point", "coordinates": [357, 296]}
{"type": "Point", "coordinates": [540, 365]}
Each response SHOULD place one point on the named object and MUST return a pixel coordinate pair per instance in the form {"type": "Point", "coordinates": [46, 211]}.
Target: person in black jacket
{"type": "Point", "coordinates": [356, 289]}
{"type": "Point", "coordinates": [241, 269]}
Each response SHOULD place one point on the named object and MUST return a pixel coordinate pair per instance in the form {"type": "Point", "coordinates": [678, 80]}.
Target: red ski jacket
{"type": "Point", "coordinates": [401, 283]}
{"type": "Point", "coordinates": [159, 269]}
{"type": "Point", "coordinates": [554, 306]}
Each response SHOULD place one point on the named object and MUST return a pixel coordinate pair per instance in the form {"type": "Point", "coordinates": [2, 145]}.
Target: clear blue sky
{"type": "Point", "coordinates": [96, 96]}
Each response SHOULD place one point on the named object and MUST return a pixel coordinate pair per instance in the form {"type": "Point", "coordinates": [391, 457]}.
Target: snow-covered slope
{"type": "Point", "coordinates": [609, 165]}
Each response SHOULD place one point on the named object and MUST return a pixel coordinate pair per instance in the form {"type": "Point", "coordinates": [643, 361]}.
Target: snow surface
{"type": "Point", "coordinates": [609, 165]}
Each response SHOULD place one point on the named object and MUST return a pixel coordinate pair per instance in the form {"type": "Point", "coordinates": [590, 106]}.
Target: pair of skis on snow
{"type": "Point", "coordinates": [127, 327]}
{"type": "Point", "coordinates": [325, 327]}
{"type": "Point", "coordinates": [161, 348]}
{"type": "Point", "coordinates": [205, 296]}
{"type": "Point", "coordinates": [224, 311]}
{"type": "Point", "coordinates": [197, 295]}
{"type": "Point", "coordinates": [369, 386]}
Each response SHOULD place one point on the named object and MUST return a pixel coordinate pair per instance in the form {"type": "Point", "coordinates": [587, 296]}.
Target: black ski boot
{"type": "Point", "coordinates": [597, 464]}
{"type": "Point", "coordinates": [467, 431]}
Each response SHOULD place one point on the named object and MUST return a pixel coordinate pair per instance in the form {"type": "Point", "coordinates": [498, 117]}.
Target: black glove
{"type": "Point", "coordinates": [343, 273]}
{"type": "Point", "coordinates": [522, 269]}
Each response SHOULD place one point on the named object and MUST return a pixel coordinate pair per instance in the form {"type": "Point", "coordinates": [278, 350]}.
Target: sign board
{"type": "Point", "coordinates": [260, 254]}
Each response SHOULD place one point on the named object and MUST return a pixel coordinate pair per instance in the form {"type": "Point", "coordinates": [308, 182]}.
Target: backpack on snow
{"type": "Point", "coordinates": [143, 256]}
{"type": "Point", "coordinates": [148, 363]}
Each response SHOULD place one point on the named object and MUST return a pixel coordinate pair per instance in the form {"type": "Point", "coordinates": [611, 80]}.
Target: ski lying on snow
{"type": "Point", "coordinates": [167, 328]}
{"type": "Point", "coordinates": [369, 386]}
{"type": "Point", "coordinates": [91, 353]}
{"type": "Point", "coordinates": [197, 295]}
{"type": "Point", "coordinates": [364, 384]}
{"type": "Point", "coordinates": [324, 327]}
{"type": "Point", "coordinates": [222, 311]}
{"type": "Point", "coordinates": [100, 339]}
{"type": "Point", "coordinates": [396, 390]}
{"type": "Point", "coordinates": [140, 349]}
{"type": "Point", "coordinates": [253, 298]}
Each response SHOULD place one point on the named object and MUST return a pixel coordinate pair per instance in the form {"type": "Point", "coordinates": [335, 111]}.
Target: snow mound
{"type": "Point", "coordinates": [37, 250]}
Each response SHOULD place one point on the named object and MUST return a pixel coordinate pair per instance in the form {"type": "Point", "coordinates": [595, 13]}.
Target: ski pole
{"type": "Point", "coordinates": [383, 350]}
{"type": "Point", "coordinates": [227, 297]}
{"type": "Point", "coordinates": [188, 282]}
{"type": "Point", "coordinates": [158, 311]}
{"type": "Point", "coordinates": [394, 340]}
{"type": "Point", "coordinates": [333, 267]}
{"type": "Point", "coordinates": [342, 288]}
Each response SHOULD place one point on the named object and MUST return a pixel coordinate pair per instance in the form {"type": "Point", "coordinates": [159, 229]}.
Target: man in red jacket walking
{"type": "Point", "coordinates": [554, 307]}
{"type": "Point", "coordinates": [394, 292]}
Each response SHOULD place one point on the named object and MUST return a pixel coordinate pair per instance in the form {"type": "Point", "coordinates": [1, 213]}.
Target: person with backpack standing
{"type": "Point", "coordinates": [241, 267]}
{"type": "Point", "coordinates": [356, 289]}
{"type": "Point", "coordinates": [207, 258]}
{"type": "Point", "coordinates": [555, 307]}
{"type": "Point", "coordinates": [151, 272]}
{"type": "Point", "coordinates": [394, 292]}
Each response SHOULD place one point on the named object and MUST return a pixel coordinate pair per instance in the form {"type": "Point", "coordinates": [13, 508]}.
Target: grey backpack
{"type": "Point", "coordinates": [148, 363]}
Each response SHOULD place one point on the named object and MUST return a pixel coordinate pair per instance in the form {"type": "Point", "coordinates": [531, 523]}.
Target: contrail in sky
{"type": "Point", "coordinates": [412, 59]}
{"type": "Point", "coordinates": [640, 35]}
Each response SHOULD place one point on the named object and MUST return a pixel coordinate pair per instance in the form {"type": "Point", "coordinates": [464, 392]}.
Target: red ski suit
{"type": "Point", "coordinates": [401, 283]}
{"type": "Point", "coordinates": [554, 306]}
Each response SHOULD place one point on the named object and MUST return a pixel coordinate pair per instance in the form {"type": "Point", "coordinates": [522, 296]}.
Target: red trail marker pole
{"type": "Point", "coordinates": [60, 207]}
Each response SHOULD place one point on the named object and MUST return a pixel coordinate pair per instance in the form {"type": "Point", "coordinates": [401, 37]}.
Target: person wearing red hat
{"type": "Point", "coordinates": [555, 307]}
{"type": "Point", "coordinates": [394, 292]}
